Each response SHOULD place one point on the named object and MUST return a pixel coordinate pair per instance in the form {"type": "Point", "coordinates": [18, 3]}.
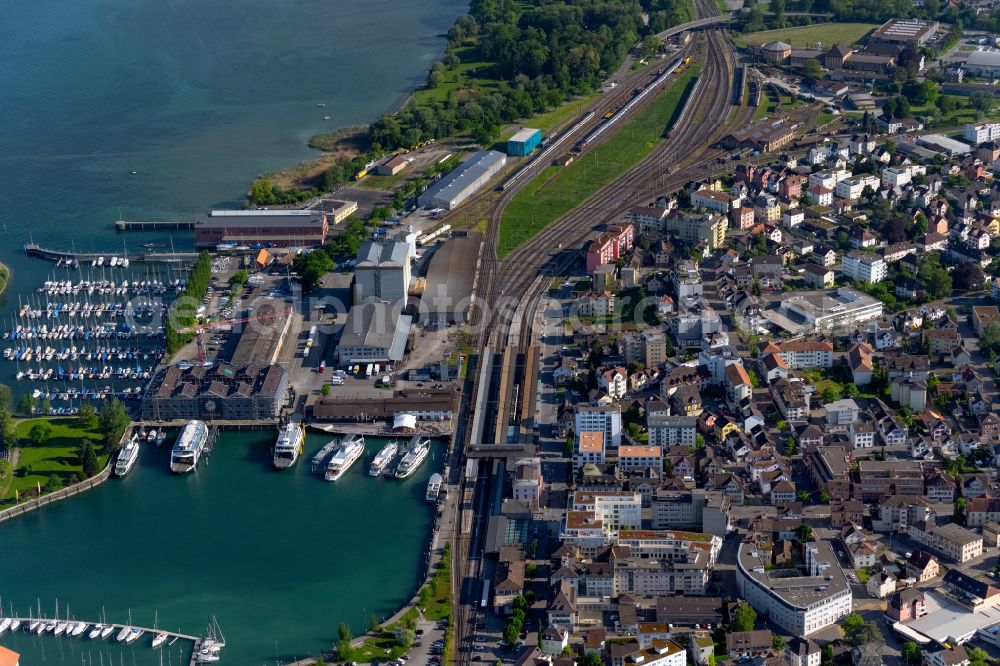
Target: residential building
{"type": "Point", "coordinates": [672, 430]}
{"type": "Point", "coordinates": [906, 605]}
{"type": "Point", "coordinates": [951, 540]}
{"type": "Point", "coordinates": [749, 644]}
{"type": "Point", "coordinates": [590, 448]}
{"type": "Point", "coordinates": [921, 566]}
{"type": "Point", "coordinates": [606, 419]}
{"type": "Point", "coordinates": [640, 457]}
{"type": "Point", "coordinates": [890, 477]}
{"type": "Point", "coordinates": [864, 267]}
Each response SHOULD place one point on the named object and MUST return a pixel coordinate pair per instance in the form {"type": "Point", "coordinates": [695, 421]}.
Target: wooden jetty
{"type": "Point", "coordinates": [153, 225]}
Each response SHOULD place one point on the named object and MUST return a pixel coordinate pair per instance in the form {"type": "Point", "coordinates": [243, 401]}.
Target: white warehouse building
{"type": "Point", "coordinates": [463, 181]}
{"type": "Point", "coordinates": [801, 601]}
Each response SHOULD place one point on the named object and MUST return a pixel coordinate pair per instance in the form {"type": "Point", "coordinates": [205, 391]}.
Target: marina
{"type": "Point", "coordinates": [194, 509]}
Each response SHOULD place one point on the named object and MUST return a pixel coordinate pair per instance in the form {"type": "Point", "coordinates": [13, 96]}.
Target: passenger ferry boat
{"type": "Point", "coordinates": [187, 450]}
{"type": "Point", "coordinates": [383, 458]}
{"type": "Point", "coordinates": [322, 457]}
{"type": "Point", "coordinates": [127, 456]}
{"type": "Point", "coordinates": [289, 445]}
{"type": "Point", "coordinates": [350, 450]}
{"type": "Point", "coordinates": [416, 453]}
{"type": "Point", "coordinates": [434, 487]}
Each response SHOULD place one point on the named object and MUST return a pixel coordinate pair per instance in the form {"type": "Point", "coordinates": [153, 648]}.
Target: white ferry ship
{"type": "Point", "coordinates": [187, 449]}
{"type": "Point", "coordinates": [416, 453]}
{"type": "Point", "coordinates": [383, 458]}
{"type": "Point", "coordinates": [127, 456]}
{"type": "Point", "coordinates": [434, 487]}
{"type": "Point", "coordinates": [322, 457]}
{"type": "Point", "coordinates": [289, 445]}
{"type": "Point", "coordinates": [350, 450]}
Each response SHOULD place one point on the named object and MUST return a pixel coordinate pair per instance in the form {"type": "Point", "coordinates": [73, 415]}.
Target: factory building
{"type": "Point", "coordinates": [275, 228]}
{"type": "Point", "coordinates": [374, 333]}
{"type": "Point", "coordinates": [225, 392]}
{"type": "Point", "coordinates": [525, 141]}
{"type": "Point", "coordinates": [383, 272]}
{"type": "Point", "coordinates": [447, 296]}
{"type": "Point", "coordinates": [463, 181]}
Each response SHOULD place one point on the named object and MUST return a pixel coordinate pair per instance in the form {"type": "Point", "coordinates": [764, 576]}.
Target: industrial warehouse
{"type": "Point", "coordinates": [277, 228]}
{"type": "Point", "coordinates": [447, 296]}
{"type": "Point", "coordinates": [463, 181]}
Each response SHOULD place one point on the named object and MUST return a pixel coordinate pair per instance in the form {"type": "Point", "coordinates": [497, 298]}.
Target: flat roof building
{"type": "Point", "coordinates": [338, 210]}
{"type": "Point", "coordinates": [807, 311]}
{"type": "Point", "coordinates": [983, 63]}
{"type": "Point", "coordinates": [273, 228]}
{"type": "Point", "coordinates": [382, 272]}
{"type": "Point", "coordinates": [450, 277]}
{"type": "Point", "coordinates": [905, 31]}
{"type": "Point", "coordinates": [420, 404]}
{"type": "Point", "coordinates": [374, 333]}
{"type": "Point", "coordinates": [802, 600]}
{"type": "Point", "coordinates": [463, 180]}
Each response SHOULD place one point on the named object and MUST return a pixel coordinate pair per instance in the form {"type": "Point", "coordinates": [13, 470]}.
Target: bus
{"type": "Point", "coordinates": [486, 594]}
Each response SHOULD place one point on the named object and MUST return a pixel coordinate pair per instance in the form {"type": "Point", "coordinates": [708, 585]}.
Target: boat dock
{"type": "Point", "coordinates": [36, 250]}
{"type": "Point", "coordinates": [152, 225]}
{"type": "Point", "coordinates": [174, 635]}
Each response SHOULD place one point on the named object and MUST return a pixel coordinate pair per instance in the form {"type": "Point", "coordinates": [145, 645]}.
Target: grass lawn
{"type": "Point", "coordinates": [57, 456]}
{"type": "Point", "coordinates": [470, 73]}
{"type": "Point", "coordinates": [557, 190]}
{"type": "Point", "coordinates": [807, 36]}
{"type": "Point", "coordinates": [436, 595]}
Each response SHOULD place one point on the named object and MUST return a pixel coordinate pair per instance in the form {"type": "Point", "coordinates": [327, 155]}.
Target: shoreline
{"type": "Point", "coordinates": [6, 277]}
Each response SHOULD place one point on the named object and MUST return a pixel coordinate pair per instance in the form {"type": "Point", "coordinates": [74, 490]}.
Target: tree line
{"type": "Point", "coordinates": [184, 311]}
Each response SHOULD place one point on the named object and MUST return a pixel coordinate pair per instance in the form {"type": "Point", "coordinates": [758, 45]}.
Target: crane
{"type": "Point", "coordinates": [199, 329]}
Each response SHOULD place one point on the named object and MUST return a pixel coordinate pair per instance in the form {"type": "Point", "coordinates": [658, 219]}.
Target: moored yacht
{"type": "Point", "coordinates": [160, 638]}
{"type": "Point", "coordinates": [187, 450]}
{"type": "Point", "coordinates": [322, 457]}
{"type": "Point", "coordinates": [289, 445]}
{"type": "Point", "coordinates": [383, 458]}
{"type": "Point", "coordinates": [416, 453]}
{"type": "Point", "coordinates": [4, 624]}
{"type": "Point", "coordinates": [348, 454]}
{"type": "Point", "coordinates": [127, 456]}
{"type": "Point", "coordinates": [434, 487]}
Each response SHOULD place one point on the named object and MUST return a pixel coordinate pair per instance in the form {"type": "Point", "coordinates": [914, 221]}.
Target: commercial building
{"type": "Point", "coordinates": [590, 448]}
{"type": "Point", "coordinates": [982, 132]}
{"type": "Point", "coordinates": [764, 135]}
{"type": "Point", "coordinates": [672, 430]}
{"type": "Point", "coordinates": [402, 408]}
{"type": "Point", "coordinates": [706, 511]}
{"type": "Point", "coordinates": [224, 392]}
{"type": "Point", "coordinates": [805, 311]}
{"type": "Point", "coordinates": [615, 511]}
{"type": "Point", "coordinates": [274, 228]}
{"type": "Point", "coordinates": [337, 210]}
{"type": "Point", "coordinates": [905, 31]}
{"type": "Point", "coordinates": [523, 142]}
{"type": "Point", "coordinates": [802, 601]}
{"type": "Point", "coordinates": [601, 418]}
{"type": "Point", "coordinates": [463, 181]}
{"type": "Point", "coordinates": [382, 272]}
{"type": "Point", "coordinates": [983, 63]}
{"type": "Point", "coordinates": [447, 295]}
{"type": "Point", "coordinates": [801, 354]}
{"type": "Point", "coordinates": [830, 470]}
{"type": "Point", "coordinates": [374, 333]}
{"type": "Point", "coordinates": [890, 477]}
{"type": "Point", "coordinates": [639, 457]}
{"type": "Point", "coordinates": [950, 540]}
{"type": "Point", "coordinates": [392, 166]}
{"type": "Point", "coordinates": [863, 267]}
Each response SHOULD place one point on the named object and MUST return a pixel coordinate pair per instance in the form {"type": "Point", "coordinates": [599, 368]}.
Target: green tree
{"type": "Point", "coordinates": [52, 484]}
{"type": "Point", "coordinates": [6, 398]}
{"type": "Point", "coordinates": [851, 390]}
{"type": "Point", "coordinates": [958, 515]}
{"type": "Point", "coordinates": [778, 643]}
{"type": "Point", "coordinates": [910, 652]}
{"type": "Point", "coordinates": [805, 532]}
{"type": "Point", "coordinates": [511, 634]}
{"type": "Point", "coordinates": [989, 340]}
{"type": "Point", "coordinates": [4, 469]}
{"type": "Point", "coordinates": [407, 637]}
{"type": "Point", "coordinates": [852, 624]}
{"type": "Point", "coordinates": [112, 419]}
{"type": "Point", "coordinates": [790, 447]}
{"type": "Point", "coordinates": [373, 625]}
{"type": "Point", "coordinates": [826, 654]}
{"type": "Point", "coordinates": [812, 68]}
{"type": "Point", "coordinates": [87, 416]}
{"type": "Point", "coordinates": [240, 277]}
{"type": "Point", "coordinates": [824, 496]}
{"type": "Point", "coordinates": [39, 433]}
{"type": "Point", "coordinates": [803, 496]}
{"type": "Point", "coordinates": [311, 267]}
{"type": "Point", "coordinates": [325, 390]}
{"type": "Point", "coordinates": [830, 394]}
{"type": "Point", "coordinates": [88, 459]}
{"type": "Point", "coordinates": [26, 404]}
{"type": "Point", "coordinates": [744, 618]}
{"type": "Point", "coordinates": [592, 659]}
